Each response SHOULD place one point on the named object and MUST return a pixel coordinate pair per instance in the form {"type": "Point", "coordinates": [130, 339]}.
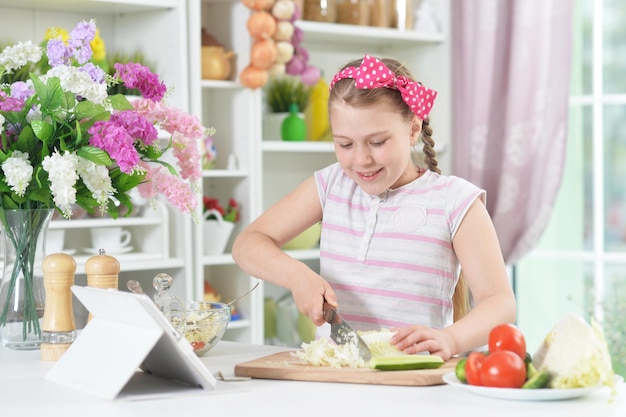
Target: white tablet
{"type": "Point", "coordinates": [127, 339]}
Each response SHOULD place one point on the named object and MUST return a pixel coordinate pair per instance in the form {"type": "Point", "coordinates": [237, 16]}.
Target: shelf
{"type": "Point", "coordinates": [238, 324]}
{"type": "Point", "coordinates": [132, 262]}
{"type": "Point", "coordinates": [225, 259]}
{"type": "Point", "coordinates": [220, 85]}
{"type": "Point", "coordinates": [353, 34]}
{"type": "Point", "coordinates": [224, 173]}
{"type": "Point", "coordinates": [111, 7]}
{"type": "Point", "coordinates": [93, 222]}
{"type": "Point", "coordinates": [307, 146]}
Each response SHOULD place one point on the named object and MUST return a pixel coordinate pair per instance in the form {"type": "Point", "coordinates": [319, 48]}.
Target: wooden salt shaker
{"type": "Point", "coordinates": [102, 272]}
{"type": "Point", "coordinates": [58, 325]}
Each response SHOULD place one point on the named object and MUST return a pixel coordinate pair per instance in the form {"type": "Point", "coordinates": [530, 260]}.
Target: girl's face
{"type": "Point", "coordinates": [373, 145]}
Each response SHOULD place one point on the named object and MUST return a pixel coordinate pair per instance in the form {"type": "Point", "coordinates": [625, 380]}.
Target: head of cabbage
{"type": "Point", "coordinates": [575, 354]}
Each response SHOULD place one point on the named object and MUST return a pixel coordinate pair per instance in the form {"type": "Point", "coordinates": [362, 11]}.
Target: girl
{"type": "Point", "coordinates": [394, 235]}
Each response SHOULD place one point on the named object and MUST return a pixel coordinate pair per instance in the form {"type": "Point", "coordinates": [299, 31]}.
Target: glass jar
{"type": "Point", "coordinates": [320, 11]}
{"type": "Point", "coordinates": [353, 12]}
{"type": "Point", "coordinates": [381, 13]}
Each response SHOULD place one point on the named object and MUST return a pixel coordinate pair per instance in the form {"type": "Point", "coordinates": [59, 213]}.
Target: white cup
{"type": "Point", "coordinates": [110, 238]}
{"type": "Point", "coordinates": [55, 239]}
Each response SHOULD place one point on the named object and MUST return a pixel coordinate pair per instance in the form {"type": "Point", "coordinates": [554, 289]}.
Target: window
{"type": "Point", "coordinates": [580, 263]}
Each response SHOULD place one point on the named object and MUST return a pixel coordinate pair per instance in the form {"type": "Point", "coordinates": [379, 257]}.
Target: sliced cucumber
{"type": "Point", "coordinates": [405, 362]}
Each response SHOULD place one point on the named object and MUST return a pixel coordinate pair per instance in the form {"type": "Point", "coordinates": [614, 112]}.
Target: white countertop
{"type": "Point", "coordinates": [24, 391]}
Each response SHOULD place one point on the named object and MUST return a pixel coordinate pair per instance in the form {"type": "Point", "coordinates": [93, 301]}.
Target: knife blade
{"type": "Point", "coordinates": [342, 333]}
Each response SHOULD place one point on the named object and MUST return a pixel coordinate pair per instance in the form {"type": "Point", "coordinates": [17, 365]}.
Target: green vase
{"type": "Point", "coordinates": [293, 127]}
{"type": "Point", "coordinates": [22, 295]}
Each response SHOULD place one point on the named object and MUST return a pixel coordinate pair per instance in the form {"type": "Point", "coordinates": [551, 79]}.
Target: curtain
{"type": "Point", "coordinates": [511, 70]}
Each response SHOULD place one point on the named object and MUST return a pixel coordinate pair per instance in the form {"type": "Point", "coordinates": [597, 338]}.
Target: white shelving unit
{"type": "Point", "coordinates": [269, 168]}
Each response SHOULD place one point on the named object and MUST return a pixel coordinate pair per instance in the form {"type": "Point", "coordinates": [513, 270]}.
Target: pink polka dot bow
{"type": "Point", "coordinates": [372, 73]}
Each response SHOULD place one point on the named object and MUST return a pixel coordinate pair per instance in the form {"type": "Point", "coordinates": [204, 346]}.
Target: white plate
{"type": "Point", "coordinates": [116, 251]}
{"type": "Point", "coordinates": [543, 394]}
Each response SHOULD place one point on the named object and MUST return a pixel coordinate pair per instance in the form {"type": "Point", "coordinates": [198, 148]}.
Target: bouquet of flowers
{"type": "Point", "coordinates": [64, 141]}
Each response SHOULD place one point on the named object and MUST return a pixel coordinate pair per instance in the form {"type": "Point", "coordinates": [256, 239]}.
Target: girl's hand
{"type": "Point", "coordinates": [309, 293]}
{"type": "Point", "coordinates": [414, 339]}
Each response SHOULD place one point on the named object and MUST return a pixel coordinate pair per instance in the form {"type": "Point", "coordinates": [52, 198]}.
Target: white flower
{"type": "Point", "coordinates": [2, 120]}
{"type": "Point", "coordinates": [18, 55]}
{"type": "Point", "coordinates": [62, 174]}
{"type": "Point", "coordinates": [18, 172]}
{"type": "Point", "coordinates": [78, 82]}
{"type": "Point", "coordinates": [96, 178]}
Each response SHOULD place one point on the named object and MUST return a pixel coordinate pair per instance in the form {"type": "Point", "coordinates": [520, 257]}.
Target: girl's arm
{"type": "Point", "coordinates": [257, 249]}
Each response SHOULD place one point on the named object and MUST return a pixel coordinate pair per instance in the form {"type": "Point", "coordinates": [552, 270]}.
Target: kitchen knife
{"type": "Point", "coordinates": [341, 332]}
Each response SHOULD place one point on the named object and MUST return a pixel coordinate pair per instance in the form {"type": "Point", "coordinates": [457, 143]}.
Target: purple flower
{"type": "Point", "coordinates": [79, 40]}
{"type": "Point", "coordinates": [10, 103]}
{"type": "Point", "coordinates": [95, 72]}
{"type": "Point", "coordinates": [137, 76]}
{"type": "Point", "coordinates": [137, 126]}
{"type": "Point", "coordinates": [21, 90]}
{"type": "Point", "coordinates": [57, 52]}
{"type": "Point", "coordinates": [115, 141]}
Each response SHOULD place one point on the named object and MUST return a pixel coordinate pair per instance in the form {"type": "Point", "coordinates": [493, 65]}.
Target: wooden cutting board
{"type": "Point", "coordinates": [283, 365]}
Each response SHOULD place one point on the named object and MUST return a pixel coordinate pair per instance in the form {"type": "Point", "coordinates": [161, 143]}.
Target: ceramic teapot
{"type": "Point", "coordinates": [216, 63]}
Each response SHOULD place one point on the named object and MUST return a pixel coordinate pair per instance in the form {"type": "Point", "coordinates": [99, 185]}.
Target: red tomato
{"type": "Point", "coordinates": [503, 369]}
{"type": "Point", "coordinates": [507, 337]}
{"type": "Point", "coordinates": [473, 364]}
{"type": "Point", "coordinates": [197, 345]}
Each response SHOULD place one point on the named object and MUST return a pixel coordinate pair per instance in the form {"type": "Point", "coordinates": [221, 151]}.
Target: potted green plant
{"type": "Point", "coordinates": [280, 93]}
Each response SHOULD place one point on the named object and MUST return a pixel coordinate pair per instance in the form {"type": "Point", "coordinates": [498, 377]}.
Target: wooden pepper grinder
{"type": "Point", "coordinates": [102, 272]}
{"type": "Point", "coordinates": [58, 325]}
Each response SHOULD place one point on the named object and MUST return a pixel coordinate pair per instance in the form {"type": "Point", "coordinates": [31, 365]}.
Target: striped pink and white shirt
{"type": "Point", "coordinates": [389, 258]}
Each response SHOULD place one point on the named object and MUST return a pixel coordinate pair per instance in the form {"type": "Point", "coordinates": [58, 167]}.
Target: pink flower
{"type": "Point", "coordinates": [115, 141]}
{"type": "Point", "coordinates": [185, 130]}
{"type": "Point", "coordinates": [137, 76]}
{"type": "Point", "coordinates": [172, 187]}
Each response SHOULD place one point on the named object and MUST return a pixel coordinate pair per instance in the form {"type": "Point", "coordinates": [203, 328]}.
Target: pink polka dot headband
{"type": "Point", "coordinates": [374, 74]}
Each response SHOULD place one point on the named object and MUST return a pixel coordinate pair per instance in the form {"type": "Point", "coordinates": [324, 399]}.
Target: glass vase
{"type": "Point", "coordinates": [22, 296]}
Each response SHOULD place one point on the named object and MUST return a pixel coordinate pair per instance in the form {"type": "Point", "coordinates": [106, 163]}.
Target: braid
{"type": "Point", "coordinates": [430, 155]}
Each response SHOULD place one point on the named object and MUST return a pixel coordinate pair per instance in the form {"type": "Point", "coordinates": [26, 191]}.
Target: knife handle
{"type": "Point", "coordinates": [330, 314]}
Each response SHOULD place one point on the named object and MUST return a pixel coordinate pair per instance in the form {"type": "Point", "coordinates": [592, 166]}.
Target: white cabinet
{"type": "Point", "coordinates": [268, 169]}
{"type": "Point", "coordinates": [158, 28]}
{"type": "Point", "coordinates": [235, 114]}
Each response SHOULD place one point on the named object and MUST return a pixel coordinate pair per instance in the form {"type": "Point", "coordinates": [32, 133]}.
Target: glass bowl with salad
{"type": "Point", "coordinates": [205, 324]}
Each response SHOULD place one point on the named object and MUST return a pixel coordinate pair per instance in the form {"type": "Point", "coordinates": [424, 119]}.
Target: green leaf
{"type": "Point", "coordinates": [87, 110]}
{"type": "Point", "coordinates": [123, 182]}
{"type": "Point", "coordinates": [8, 203]}
{"type": "Point", "coordinates": [120, 102]}
{"type": "Point", "coordinates": [153, 152]}
{"type": "Point", "coordinates": [169, 167]}
{"type": "Point", "coordinates": [26, 140]}
{"type": "Point", "coordinates": [95, 155]}
{"type": "Point", "coordinates": [42, 195]}
{"type": "Point", "coordinates": [42, 130]}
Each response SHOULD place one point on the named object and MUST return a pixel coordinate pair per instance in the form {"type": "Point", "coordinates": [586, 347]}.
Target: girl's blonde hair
{"type": "Point", "coordinates": [461, 298]}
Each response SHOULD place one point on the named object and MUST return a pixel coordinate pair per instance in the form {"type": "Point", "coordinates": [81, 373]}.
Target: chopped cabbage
{"type": "Point", "coordinates": [324, 352]}
{"type": "Point", "coordinates": [379, 343]}
{"type": "Point", "coordinates": [575, 355]}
